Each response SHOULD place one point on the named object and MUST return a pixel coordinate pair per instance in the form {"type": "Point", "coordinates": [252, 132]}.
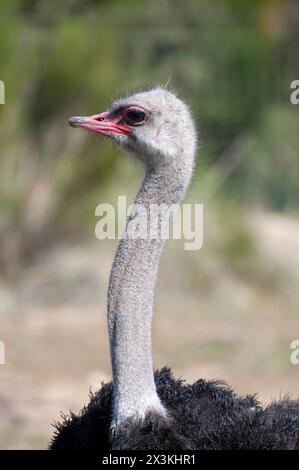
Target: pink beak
{"type": "Point", "coordinates": [101, 124]}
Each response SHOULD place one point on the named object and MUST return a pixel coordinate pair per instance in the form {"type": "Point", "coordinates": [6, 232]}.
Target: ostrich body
{"type": "Point", "coordinates": [140, 409]}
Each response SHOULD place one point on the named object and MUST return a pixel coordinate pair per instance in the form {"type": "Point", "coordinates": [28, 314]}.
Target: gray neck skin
{"type": "Point", "coordinates": [130, 303]}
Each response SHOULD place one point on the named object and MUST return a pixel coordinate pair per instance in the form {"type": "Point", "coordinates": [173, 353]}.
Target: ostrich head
{"type": "Point", "coordinates": [154, 126]}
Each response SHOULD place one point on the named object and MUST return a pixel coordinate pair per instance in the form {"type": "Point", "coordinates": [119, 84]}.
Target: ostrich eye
{"type": "Point", "coordinates": [135, 116]}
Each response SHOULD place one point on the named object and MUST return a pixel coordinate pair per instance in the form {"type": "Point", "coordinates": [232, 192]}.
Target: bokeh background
{"type": "Point", "coordinates": [228, 311]}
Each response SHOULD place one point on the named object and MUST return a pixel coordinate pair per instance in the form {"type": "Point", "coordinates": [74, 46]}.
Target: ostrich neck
{"type": "Point", "coordinates": [130, 305]}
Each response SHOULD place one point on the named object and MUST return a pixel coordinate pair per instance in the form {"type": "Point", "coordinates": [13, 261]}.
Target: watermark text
{"type": "Point", "coordinates": [2, 353]}
{"type": "Point", "coordinates": [294, 97]}
{"type": "Point", "coordinates": [152, 222]}
{"type": "Point", "coordinates": [2, 92]}
{"type": "Point", "coordinates": [294, 357]}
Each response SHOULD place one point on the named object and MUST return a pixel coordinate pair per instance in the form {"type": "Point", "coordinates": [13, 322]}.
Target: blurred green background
{"type": "Point", "coordinates": [233, 62]}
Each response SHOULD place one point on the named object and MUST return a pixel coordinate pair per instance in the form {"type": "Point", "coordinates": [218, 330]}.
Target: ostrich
{"type": "Point", "coordinates": [143, 409]}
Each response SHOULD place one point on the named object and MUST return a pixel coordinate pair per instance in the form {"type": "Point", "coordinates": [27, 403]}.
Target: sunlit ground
{"type": "Point", "coordinates": [209, 322]}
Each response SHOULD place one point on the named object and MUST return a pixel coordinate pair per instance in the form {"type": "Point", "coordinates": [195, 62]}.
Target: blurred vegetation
{"type": "Point", "coordinates": [232, 60]}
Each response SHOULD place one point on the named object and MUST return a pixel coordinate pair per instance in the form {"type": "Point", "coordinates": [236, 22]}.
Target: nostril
{"type": "Point", "coordinates": [100, 117]}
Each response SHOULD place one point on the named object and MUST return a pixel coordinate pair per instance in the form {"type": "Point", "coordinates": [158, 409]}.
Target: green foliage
{"type": "Point", "coordinates": [232, 61]}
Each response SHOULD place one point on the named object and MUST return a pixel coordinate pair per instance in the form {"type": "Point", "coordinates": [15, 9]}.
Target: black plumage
{"type": "Point", "coordinates": [204, 415]}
